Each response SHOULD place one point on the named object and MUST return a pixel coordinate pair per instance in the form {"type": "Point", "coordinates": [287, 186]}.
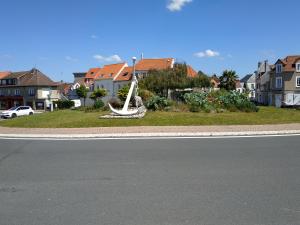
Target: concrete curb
{"type": "Point", "coordinates": [152, 135]}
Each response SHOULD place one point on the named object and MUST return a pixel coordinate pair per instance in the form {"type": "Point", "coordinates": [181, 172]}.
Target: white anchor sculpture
{"type": "Point", "coordinates": [133, 90]}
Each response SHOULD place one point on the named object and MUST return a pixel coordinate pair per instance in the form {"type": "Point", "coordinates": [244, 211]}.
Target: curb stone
{"type": "Point", "coordinates": [153, 135]}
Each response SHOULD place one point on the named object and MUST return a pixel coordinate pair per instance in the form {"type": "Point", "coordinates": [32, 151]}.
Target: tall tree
{"type": "Point", "coordinates": [228, 80]}
{"type": "Point", "coordinates": [98, 93]}
{"type": "Point", "coordinates": [82, 93]}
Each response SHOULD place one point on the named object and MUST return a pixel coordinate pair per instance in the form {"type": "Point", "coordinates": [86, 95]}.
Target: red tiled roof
{"type": "Point", "coordinates": [91, 74]}
{"type": "Point", "coordinates": [191, 72]}
{"type": "Point", "coordinates": [110, 71]}
{"type": "Point", "coordinates": [125, 75]}
{"type": "Point", "coordinates": [158, 64]}
{"type": "Point", "coordinates": [289, 62]}
{"type": "Point", "coordinates": [4, 74]}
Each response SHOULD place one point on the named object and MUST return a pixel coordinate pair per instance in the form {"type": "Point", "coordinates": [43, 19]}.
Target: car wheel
{"type": "Point", "coordinates": [31, 113]}
{"type": "Point", "coordinates": [13, 115]}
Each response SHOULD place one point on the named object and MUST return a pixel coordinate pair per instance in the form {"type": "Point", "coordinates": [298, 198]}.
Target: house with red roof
{"type": "Point", "coordinates": [32, 88]}
{"type": "Point", "coordinates": [285, 82]}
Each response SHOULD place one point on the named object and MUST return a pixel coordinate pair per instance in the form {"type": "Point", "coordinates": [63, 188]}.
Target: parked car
{"type": "Point", "coordinates": [17, 111]}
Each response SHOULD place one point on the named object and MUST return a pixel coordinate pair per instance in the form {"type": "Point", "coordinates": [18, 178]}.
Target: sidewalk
{"type": "Point", "coordinates": [152, 131]}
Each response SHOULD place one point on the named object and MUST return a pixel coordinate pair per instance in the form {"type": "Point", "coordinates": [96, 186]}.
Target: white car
{"type": "Point", "coordinates": [17, 111]}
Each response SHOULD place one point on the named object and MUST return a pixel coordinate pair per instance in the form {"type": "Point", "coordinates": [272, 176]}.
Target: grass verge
{"type": "Point", "coordinates": [77, 119]}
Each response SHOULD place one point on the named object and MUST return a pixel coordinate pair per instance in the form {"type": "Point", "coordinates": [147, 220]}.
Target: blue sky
{"type": "Point", "coordinates": [64, 36]}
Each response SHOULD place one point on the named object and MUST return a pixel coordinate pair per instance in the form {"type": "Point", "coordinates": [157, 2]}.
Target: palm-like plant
{"type": "Point", "coordinates": [228, 80]}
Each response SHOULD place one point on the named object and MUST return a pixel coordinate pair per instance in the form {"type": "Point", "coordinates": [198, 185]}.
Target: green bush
{"type": "Point", "coordinates": [115, 103]}
{"type": "Point", "coordinates": [64, 104]}
{"type": "Point", "coordinates": [157, 103]}
{"type": "Point", "coordinates": [123, 92]}
{"type": "Point", "coordinates": [98, 104]}
{"type": "Point", "coordinates": [145, 94]}
{"type": "Point", "coordinates": [218, 101]}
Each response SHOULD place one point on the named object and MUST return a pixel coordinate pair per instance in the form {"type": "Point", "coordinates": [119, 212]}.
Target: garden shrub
{"type": "Point", "coordinates": [218, 101]}
{"type": "Point", "coordinates": [98, 104]}
{"type": "Point", "coordinates": [115, 103]}
{"type": "Point", "coordinates": [145, 94]}
{"type": "Point", "coordinates": [157, 103]}
{"type": "Point", "coordinates": [64, 104]}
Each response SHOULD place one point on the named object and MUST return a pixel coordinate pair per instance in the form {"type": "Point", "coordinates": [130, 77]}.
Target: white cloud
{"type": "Point", "coordinates": [176, 5]}
{"type": "Point", "coordinates": [113, 58]}
{"type": "Point", "coordinates": [71, 59]}
{"type": "Point", "coordinates": [207, 53]}
{"type": "Point", "coordinates": [93, 36]}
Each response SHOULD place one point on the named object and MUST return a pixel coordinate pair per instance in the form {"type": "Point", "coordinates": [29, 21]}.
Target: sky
{"type": "Point", "coordinates": [60, 37]}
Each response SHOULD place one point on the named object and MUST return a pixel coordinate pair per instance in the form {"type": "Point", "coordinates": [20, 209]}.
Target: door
{"type": "Point", "coordinates": [278, 100]}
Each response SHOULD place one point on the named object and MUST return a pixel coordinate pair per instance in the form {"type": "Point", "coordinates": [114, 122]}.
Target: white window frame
{"type": "Point", "coordinates": [276, 83]}
{"type": "Point", "coordinates": [278, 68]}
{"type": "Point", "coordinates": [17, 92]}
{"type": "Point", "coordinates": [31, 92]}
{"type": "Point", "coordinates": [297, 78]}
{"type": "Point", "coordinates": [298, 67]}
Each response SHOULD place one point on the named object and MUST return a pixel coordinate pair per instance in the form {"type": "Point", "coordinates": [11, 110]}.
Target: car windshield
{"type": "Point", "coordinates": [13, 108]}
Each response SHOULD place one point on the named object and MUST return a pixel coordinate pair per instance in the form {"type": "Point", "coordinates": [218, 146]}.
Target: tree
{"type": "Point", "coordinates": [123, 92]}
{"type": "Point", "coordinates": [161, 81]}
{"type": "Point", "coordinates": [98, 93]}
{"type": "Point", "coordinates": [228, 80]}
{"type": "Point", "coordinates": [202, 80]}
{"type": "Point", "coordinates": [82, 93]}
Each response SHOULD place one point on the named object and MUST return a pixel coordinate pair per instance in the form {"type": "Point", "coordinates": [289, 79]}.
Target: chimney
{"type": "Point", "coordinates": [259, 64]}
{"type": "Point", "coordinates": [142, 56]}
{"type": "Point", "coordinates": [266, 65]}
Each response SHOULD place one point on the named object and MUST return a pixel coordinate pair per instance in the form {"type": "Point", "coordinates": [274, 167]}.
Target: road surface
{"type": "Point", "coordinates": [240, 181]}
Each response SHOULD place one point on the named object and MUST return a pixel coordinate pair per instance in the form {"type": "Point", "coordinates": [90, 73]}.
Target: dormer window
{"type": "Point", "coordinates": [278, 68]}
{"type": "Point", "coordinates": [298, 66]}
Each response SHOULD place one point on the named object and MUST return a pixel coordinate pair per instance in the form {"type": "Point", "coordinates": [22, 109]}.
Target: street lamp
{"type": "Point", "coordinates": [133, 62]}
{"type": "Point", "coordinates": [134, 77]}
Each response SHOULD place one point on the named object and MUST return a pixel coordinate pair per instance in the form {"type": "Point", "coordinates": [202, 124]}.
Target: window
{"type": "Point", "coordinates": [278, 83]}
{"type": "Point", "coordinates": [278, 68]}
{"type": "Point", "coordinates": [297, 81]}
{"type": "Point", "coordinates": [298, 67]}
{"type": "Point", "coordinates": [31, 92]}
{"type": "Point", "coordinates": [252, 86]}
{"type": "Point", "coordinates": [17, 92]}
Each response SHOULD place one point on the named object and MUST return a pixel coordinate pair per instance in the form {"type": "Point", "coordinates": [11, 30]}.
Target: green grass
{"type": "Point", "coordinates": [73, 118]}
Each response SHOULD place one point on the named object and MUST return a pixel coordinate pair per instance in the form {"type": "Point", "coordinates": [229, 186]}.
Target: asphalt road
{"type": "Point", "coordinates": [159, 182]}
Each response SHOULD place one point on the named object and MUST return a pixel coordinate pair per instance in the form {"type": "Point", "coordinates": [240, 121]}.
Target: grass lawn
{"type": "Point", "coordinates": [74, 118]}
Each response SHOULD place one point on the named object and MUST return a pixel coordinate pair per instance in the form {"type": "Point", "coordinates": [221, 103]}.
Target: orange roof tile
{"type": "Point", "coordinates": [4, 74]}
{"type": "Point", "coordinates": [92, 73]}
{"type": "Point", "coordinates": [191, 72]}
{"type": "Point", "coordinates": [289, 62]}
{"type": "Point", "coordinates": [110, 71]}
{"type": "Point", "coordinates": [126, 74]}
{"type": "Point", "coordinates": [158, 64]}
